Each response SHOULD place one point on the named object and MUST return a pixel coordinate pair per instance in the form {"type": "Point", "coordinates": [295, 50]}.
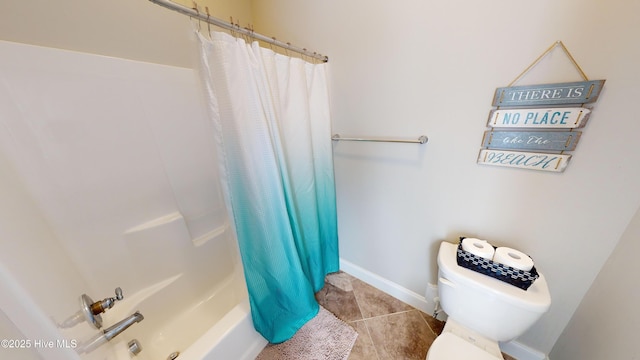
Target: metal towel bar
{"type": "Point", "coordinates": [421, 140]}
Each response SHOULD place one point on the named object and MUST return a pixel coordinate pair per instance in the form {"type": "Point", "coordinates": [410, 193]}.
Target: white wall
{"type": "Point", "coordinates": [406, 68]}
{"type": "Point", "coordinates": [607, 322]}
{"type": "Point", "coordinates": [130, 29]}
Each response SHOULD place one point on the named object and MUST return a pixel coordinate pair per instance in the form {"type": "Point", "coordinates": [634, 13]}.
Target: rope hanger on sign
{"type": "Point", "coordinates": [544, 54]}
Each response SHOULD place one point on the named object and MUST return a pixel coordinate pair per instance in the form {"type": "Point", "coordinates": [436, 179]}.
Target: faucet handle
{"type": "Point", "coordinates": [109, 302]}
{"type": "Point", "coordinates": [119, 295]}
{"type": "Point", "coordinates": [92, 310]}
{"type": "Point", "coordinates": [99, 307]}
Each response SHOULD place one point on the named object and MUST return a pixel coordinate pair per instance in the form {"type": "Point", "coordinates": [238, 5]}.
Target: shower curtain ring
{"type": "Point", "coordinates": [195, 8]}
{"type": "Point", "coordinates": [231, 30]}
{"type": "Point", "coordinates": [206, 8]}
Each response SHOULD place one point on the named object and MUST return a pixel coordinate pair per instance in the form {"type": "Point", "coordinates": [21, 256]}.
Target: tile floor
{"type": "Point", "coordinates": [388, 329]}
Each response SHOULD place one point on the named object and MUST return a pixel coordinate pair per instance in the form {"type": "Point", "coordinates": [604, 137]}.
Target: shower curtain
{"type": "Point", "coordinates": [271, 120]}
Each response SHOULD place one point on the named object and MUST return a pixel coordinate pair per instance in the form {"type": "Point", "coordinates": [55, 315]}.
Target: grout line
{"type": "Point", "coordinates": [365, 319]}
{"type": "Point", "coordinates": [395, 313]}
{"type": "Point", "coordinates": [399, 312]}
{"type": "Point", "coordinates": [355, 296]}
{"type": "Point", "coordinates": [375, 348]}
{"type": "Point", "coordinates": [428, 325]}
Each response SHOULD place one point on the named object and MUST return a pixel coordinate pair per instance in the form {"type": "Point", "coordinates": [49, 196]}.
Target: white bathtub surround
{"type": "Point", "coordinates": [28, 323]}
{"type": "Point", "coordinates": [115, 185]}
{"type": "Point", "coordinates": [323, 337]}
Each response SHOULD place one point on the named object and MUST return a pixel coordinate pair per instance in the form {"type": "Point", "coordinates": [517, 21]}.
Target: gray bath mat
{"type": "Point", "coordinates": [324, 337]}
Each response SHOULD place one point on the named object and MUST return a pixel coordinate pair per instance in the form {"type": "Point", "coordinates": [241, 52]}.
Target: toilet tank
{"type": "Point", "coordinates": [491, 307]}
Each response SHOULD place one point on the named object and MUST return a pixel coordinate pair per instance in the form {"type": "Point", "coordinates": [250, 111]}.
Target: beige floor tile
{"type": "Point", "coordinates": [388, 329]}
{"type": "Point", "coordinates": [402, 335]}
{"type": "Point", "coordinates": [341, 303]}
{"type": "Point", "coordinates": [436, 325]}
{"type": "Point", "coordinates": [341, 280]}
{"type": "Point", "coordinates": [363, 349]}
{"type": "Point", "coordinates": [374, 302]}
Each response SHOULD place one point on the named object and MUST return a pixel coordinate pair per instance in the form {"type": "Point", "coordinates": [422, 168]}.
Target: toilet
{"type": "Point", "coordinates": [482, 311]}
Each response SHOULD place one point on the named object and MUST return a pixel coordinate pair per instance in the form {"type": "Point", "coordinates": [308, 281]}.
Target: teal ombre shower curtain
{"type": "Point", "coordinates": [271, 121]}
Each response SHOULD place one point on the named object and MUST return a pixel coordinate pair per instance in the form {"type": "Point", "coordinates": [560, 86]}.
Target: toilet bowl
{"type": "Point", "coordinates": [482, 311]}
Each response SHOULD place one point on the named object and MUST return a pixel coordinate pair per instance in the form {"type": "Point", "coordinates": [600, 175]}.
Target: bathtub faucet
{"type": "Point", "coordinates": [90, 310]}
{"type": "Point", "coordinates": [101, 306]}
{"type": "Point", "coordinates": [115, 330]}
{"type": "Point", "coordinates": [110, 332]}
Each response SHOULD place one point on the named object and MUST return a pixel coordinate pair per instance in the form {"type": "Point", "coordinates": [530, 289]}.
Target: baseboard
{"type": "Point", "coordinates": [513, 348]}
{"type": "Point", "coordinates": [522, 352]}
{"type": "Point", "coordinates": [389, 287]}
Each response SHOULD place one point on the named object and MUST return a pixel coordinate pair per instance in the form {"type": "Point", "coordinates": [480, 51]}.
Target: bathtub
{"type": "Point", "coordinates": [216, 326]}
{"type": "Point", "coordinates": [233, 337]}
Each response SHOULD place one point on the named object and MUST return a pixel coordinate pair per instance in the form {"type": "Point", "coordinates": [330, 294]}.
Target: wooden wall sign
{"type": "Point", "coordinates": [581, 92]}
{"type": "Point", "coordinates": [531, 140]}
{"type": "Point", "coordinates": [557, 118]}
{"type": "Point", "coordinates": [533, 126]}
{"type": "Point", "coordinates": [524, 160]}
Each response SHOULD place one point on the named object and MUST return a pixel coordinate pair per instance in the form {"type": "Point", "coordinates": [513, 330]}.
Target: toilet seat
{"type": "Point", "coordinates": [448, 346]}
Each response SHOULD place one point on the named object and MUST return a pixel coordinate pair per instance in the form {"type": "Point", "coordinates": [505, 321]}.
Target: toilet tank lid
{"type": "Point", "coordinates": [450, 347]}
{"type": "Point", "coordinates": [535, 298]}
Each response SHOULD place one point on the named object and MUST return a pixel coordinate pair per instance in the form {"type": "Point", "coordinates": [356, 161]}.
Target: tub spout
{"type": "Point", "coordinates": [116, 329]}
{"type": "Point", "coordinates": [109, 333]}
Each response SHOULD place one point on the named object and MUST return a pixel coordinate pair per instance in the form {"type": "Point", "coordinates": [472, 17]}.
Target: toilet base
{"type": "Point", "coordinates": [488, 347]}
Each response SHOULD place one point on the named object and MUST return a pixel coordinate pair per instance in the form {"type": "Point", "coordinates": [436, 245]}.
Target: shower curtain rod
{"type": "Point", "coordinates": [194, 13]}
